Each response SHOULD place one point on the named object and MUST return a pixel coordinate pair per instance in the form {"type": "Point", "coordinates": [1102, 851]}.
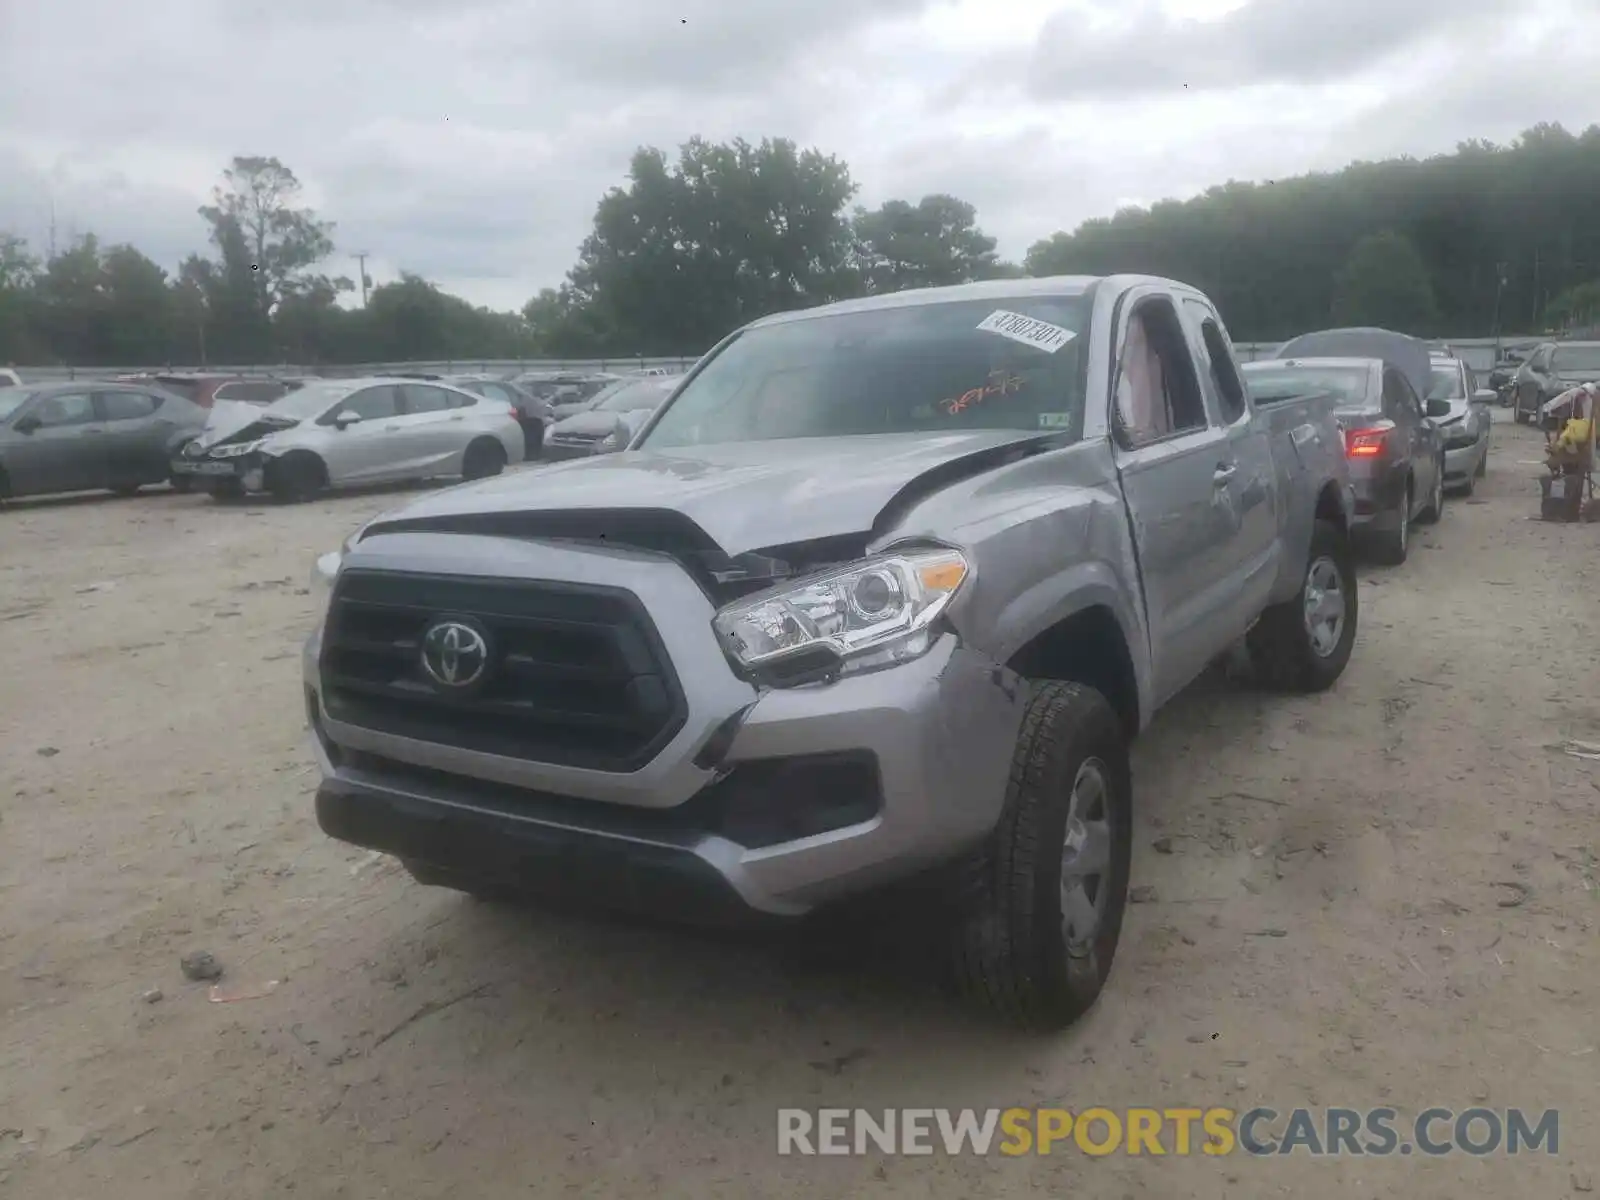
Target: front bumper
{"type": "Point", "coordinates": [556, 450]}
{"type": "Point", "coordinates": [939, 732]}
{"type": "Point", "coordinates": [1461, 461]}
{"type": "Point", "coordinates": [245, 471]}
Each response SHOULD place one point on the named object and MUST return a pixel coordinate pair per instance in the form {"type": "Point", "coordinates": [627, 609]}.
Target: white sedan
{"type": "Point", "coordinates": [342, 432]}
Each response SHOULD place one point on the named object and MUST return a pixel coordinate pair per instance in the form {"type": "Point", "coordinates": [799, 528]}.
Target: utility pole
{"type": "Point", "coordinates": [50, 245]}
{"type": "Point", "coordinates": [361, 260]}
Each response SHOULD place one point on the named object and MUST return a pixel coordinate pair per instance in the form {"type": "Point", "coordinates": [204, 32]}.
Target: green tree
{"type": "Point", "coordinates": [18, 268]}
{"type": "Point", "coordinates": [930, 244]}
{"type": "Point", "coordinates": [688, 251]}
{"type": "Point", "coordinates": [1577, 309]}
{"type": "Point", "coordinates": [1269, 253]}
{"type": "Point", "coordinates": [1385, 283]}
{"type": "Point", "coordinates": [139, 311]}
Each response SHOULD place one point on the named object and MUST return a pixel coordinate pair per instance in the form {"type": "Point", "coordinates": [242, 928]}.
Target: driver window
{"type": "Point", "coordinates": [70, 408]}
{"type": "Point", "coordinates": [373, 404]}
{"type": "Point", "coordinates": [1158, 392]}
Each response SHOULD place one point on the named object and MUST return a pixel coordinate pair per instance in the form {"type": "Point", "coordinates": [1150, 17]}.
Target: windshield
{"type": "Point", "coordinates": [12, 399]}
{"type": "Point", "coordinates": [309, 401]}
{"type": "Point", "coordinates": [981, 364]}
{"type": "Point", "coordinates": [1445, 383]}
{"type": "Point", "coordinates": [1271, 384]}
{"type": "Point", "coordinates": [629, 396]}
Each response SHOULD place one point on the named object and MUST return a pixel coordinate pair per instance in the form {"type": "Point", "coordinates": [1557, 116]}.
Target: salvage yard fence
{"type": "Point", "coordinates": [1479, 354]}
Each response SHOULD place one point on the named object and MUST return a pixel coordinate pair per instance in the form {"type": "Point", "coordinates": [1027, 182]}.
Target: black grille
{"type": "Point", "coordinates": [577, 674]}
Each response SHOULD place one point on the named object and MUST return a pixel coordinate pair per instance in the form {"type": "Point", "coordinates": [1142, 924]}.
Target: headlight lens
{"type": "Point", "coordinates": [235, 451]}
{"type": "Point", "coordinates": [873, 613]}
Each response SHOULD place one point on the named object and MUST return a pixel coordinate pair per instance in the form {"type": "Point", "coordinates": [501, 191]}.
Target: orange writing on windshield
{"type": "Point", "coordinates": [1000, 384]}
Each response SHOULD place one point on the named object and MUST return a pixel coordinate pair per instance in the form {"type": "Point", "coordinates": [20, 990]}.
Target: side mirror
{"type": "Point", "coordinates": [345, 418]}
{"type": "Point", "coordinates": [1485, 396]}
{"type": "Point", "coordinates": [27, 424]}
{"type": "Point", "coordinates": [1438, 408]}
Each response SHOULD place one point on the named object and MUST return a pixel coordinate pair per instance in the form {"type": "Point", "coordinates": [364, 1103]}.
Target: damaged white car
{"type": "Point", "coordinates": [343, 432]}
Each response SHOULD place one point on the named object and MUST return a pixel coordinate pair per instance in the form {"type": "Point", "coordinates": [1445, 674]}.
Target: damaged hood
{"type": "Point", "coordinates": [744, 495]}
{"type": "Point", "coordinates": [228, 417]}
{"type": "Point", "coordinates": [587, 425]}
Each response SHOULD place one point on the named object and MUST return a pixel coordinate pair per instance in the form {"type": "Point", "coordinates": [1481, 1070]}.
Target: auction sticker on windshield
{"type": "Point", "coordinates": [1030, 331]}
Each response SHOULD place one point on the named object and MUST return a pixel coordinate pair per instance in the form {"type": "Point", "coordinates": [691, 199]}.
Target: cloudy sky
{"type": "Point", "coordinates": [468, 140]}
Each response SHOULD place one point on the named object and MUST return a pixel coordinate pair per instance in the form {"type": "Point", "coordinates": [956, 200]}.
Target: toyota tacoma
{"type": "Point", "coordinates": [880, 594]}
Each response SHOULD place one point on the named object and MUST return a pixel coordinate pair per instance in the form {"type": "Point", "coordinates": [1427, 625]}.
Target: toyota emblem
{"type": "Point", "coordinates": [454, 654]}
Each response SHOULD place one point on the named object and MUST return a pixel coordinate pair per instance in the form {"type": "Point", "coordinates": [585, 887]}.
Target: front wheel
{"type": "Point", "coordinates": [1391, 546]}
{"type": "Point", "coordinates": [1304, 644]}
{"type": "Point", "coordinates": [1052, 882]}
{"type": "Point", "coordinates": [296, 477]}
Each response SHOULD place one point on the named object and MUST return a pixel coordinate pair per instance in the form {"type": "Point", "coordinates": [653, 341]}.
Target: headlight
{"type": "Point", "coordinates": [874, 613]}
{"type": "Point", "coordinates": [235, 451]}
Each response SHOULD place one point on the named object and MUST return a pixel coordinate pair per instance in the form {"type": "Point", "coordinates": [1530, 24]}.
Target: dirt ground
{"type": "Point", "coordinates": [1330, 922]}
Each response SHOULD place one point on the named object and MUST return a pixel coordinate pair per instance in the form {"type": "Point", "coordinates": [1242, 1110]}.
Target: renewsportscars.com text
{"type": "Point", "coordinates": [1318, 1132]}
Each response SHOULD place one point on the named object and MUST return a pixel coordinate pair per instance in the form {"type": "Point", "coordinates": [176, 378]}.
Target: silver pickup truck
{"type": "Point", "coordinates": [882, 592]}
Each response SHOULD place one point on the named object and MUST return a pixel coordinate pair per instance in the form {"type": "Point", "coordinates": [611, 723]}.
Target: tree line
{"type": "Point", "coordinates": [1487, 239]}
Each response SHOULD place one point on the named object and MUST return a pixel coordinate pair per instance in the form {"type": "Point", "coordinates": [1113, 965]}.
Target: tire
{"type": "Point", "coordinates": [295, 477]}
{"type": "Point", "coordinates": [182, 484]}
{"type": "Point", "coordinates": [1011, 954]}
{"type": "Point", "coordinates": [485, 457]}
{"type": "Point", "coordinates": [126, 489]}
{"type": "Point", "coordinates": [1483, 464]}
{"type": "Point", "coordinates": [1392, 546]}
{"type": "Point", "coordinates": [1289, 651]}
{"type": "Point", "coordinates": [1435, 507]}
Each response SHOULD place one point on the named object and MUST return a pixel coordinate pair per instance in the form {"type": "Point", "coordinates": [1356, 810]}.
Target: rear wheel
{"type": "Point", "coordinates": [483, 458]}
{"type": "Point", "coordinates": [1304, 644]}
{"type": "Point", "coordinates": [1435, 508]}
{"type": "Point", "coordinates": [1392, 545]}
{"type": "Point", "coordinates": [1052, 882]}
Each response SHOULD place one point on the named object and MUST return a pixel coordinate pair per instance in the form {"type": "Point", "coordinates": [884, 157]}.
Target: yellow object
{"type": "Point", "coordinates": [1575, 434]}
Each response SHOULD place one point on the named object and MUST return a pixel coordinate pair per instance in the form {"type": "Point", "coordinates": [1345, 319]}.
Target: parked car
{"type": "Point", "coordinates": [337, 432]}
{"type": "Point", "coordinates": [1551, 369]}
{"type": "Point", "coordinates": [882, 591]}
{"type": "Point", "coordinates": [610, 421]}
{"type": "Point", "coordinates": [1504, 372]}
{"type": "Point", "coordinates": [569, 392]}
{"type": "Point", "coordinates": [205, 390]}
{"type": "Point", "coordinates": [1396, 453]}
{"type": "Point", "coordinates": [1463, 414]}
{"type": "Point", "coordinates": [533, 413]}
{"type": "Point", "coordinates": [89, 434]}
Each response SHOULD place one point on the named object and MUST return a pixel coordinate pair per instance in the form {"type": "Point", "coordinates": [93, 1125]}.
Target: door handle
{"type": "Point", "coordinates": [92, 433]}
{"type": "Point", "coordinates": [458, 417]}
{"type": "Point", "coordinates": [391, 428]}
{"type": "Point", "coordinates": [1223, 475]}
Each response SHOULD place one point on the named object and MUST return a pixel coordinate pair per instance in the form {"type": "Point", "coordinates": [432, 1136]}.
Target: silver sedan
{"type": "Point", "coordinates": [341, 432]}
